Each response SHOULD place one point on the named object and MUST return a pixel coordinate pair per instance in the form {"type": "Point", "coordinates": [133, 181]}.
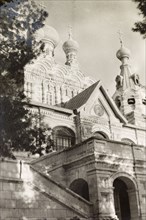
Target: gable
{"type": "Point", "coordinates": [80, 99]}
{"type": "Point", "coordinates": [95, 102]}
{"type": "Point", "coordinates": [97, 106]}
{"type": "Point", "coordinates": [98, 109]}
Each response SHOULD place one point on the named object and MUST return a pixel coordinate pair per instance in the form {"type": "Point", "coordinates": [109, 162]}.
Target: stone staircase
{"type": "Point", "coordinates": [59, 193]}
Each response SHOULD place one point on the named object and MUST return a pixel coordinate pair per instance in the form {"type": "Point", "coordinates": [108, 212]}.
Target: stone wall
{"type": "Point", "coordinates": [25, 194]}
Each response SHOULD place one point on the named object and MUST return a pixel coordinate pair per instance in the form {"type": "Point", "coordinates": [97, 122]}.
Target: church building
{"type": "Point", "coordinates": [97, 169]}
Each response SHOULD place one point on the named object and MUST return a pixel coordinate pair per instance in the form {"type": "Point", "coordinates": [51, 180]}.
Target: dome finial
{"type": "Point", "coordinates": [120, 37]}
{"type": "Point", "coordinates": [70, 32]}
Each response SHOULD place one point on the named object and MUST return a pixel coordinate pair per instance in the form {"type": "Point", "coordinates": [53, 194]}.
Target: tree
{"type": "Point", "coordinates": [4, 1]}
{"type": "Point", "coordinates": [20, 19]}
{"type": "Point", "coordinates": [141, 25]}
{"type": "Point", "coordinates": [40, 137]}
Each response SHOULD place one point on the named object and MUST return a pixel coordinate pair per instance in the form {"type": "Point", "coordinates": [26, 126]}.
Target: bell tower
{"type": "Point", "coordinates": [130, 94]}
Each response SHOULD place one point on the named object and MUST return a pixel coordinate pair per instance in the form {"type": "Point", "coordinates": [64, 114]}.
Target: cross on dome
{"type": "Point", "coordinates": [123, 52]}
{"type": "Point", "coordinates": [120, 37]}
{"type": "Point", "coordinates": [70, 32]}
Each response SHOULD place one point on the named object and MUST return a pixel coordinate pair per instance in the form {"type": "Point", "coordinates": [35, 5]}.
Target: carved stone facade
{"type": "Point", "coordinates": [97, 171]}
{"type": "Point", "coordinates": [50, 83]}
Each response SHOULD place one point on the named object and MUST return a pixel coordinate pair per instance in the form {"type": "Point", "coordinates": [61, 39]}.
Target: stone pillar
{"type": "Point", "coordinates": [77, 122]}
{"type": "Point", "coordinates": [106, 205]}
{"type": "Point", "coordinates": [101, 197]}
{"type": "Point", "coordinates": [93, 191]}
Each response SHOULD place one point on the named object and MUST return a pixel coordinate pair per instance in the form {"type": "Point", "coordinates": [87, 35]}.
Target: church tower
{"type": "Point", "coordinates": [130, 94]}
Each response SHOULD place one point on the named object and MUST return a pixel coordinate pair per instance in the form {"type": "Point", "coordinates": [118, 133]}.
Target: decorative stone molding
{"type": "Point", "coordinates": [98, 128]}
{"type": "Point", "coordinates": [131, 178]}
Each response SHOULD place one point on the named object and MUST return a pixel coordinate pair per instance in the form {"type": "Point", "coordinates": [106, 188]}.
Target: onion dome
{"type": "Point", "coordinates": [48, 35]}
{"type": "Point", "coordinates": [122, 53]}
{"type": "Point", "coordinates": [70, 45]}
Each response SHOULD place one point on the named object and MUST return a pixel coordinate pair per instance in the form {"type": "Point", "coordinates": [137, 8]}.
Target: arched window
{"type": "Point", "coordinates": [80, 187]}
{"type": "Point", "coordinates": [66, 92]}
{"type": "Point", "coordinates": [72, 94]}
{"type": "Point", "coordinates": [49, 99]}
{"type": "Point", "coordinates": [131, 100]}
{"type": "Point", "coordinates": [100, 135]}
{"type": "Point", "coordinates": [63, 137]}
{"type": "Point", "coordinates": [118, 102]}
{"type": "Point", "coordinates": [29, 89]}
{"type": "Point", "coordinates": [144, 101]}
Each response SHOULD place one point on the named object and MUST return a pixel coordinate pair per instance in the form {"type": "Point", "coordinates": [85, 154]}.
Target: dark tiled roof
{"type": "Point", "coordinates": [80, 99]}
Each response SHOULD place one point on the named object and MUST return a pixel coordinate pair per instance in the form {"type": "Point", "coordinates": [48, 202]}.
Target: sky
{"type": "Point", "coordinates": [95, 25]}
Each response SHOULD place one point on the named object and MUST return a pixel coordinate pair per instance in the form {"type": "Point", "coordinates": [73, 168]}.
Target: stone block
{"type": "Point", "coordinates": [19, 187]}
{"type": "Point", "coordinates": [7, 203]}
{"type": "Point", "coordinates": [8, 186]}
{"type": "Point", "coordinates": [5, 195]}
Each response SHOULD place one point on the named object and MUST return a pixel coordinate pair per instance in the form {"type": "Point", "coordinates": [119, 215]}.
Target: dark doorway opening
{"type": "Point", "coordinates": [121, 200]}
{"type": "Point", "coordinates": [80, 187]}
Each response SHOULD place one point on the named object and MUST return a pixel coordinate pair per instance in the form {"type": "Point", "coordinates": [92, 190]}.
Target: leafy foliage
{"type": "Point", "coordinates": [20, 19]}
{"type": "Point", "coordinates": [40, 137]}
{"type": "Point", "coordinates": [141, 25]}
{"type": "Point", "coordinates": [4, 1]}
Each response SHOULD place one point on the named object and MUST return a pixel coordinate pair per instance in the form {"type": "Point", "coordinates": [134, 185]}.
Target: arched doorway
{"type": "Point", "coordinates": [121, 200]}
{"type": "Point", "coordinates": [125, 199]}
{"type": "Point", "coordinates": [80, 187]}
{"type": "Point", "coordinates": [63, 137]}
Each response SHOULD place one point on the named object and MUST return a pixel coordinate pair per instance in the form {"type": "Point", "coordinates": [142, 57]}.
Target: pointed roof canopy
{"type": "Point", "coordinates": [84, 97]}
{"type": "Point", "coordinates": [80, 99]}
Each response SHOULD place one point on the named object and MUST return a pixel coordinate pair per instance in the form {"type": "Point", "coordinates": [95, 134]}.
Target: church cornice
{"type": "Point", "coordinates": [134, 127]}
{"type": "Point", "coordinates": [50, 107]}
